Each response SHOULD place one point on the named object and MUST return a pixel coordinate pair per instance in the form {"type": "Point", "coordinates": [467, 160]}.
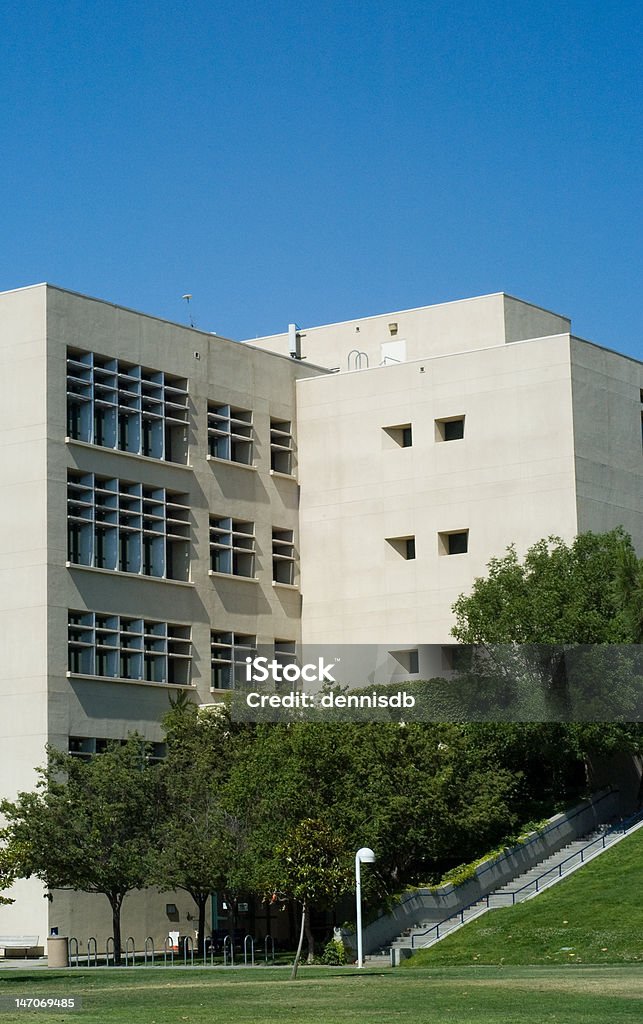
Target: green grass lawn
{"type": "Point", "coordinates": [472, 995]}
{"type": "Point", "coordinates": [593, 917]}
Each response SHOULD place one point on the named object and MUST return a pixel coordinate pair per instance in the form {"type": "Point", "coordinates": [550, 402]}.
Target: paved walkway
{"type": "Point", "coordinates": [19, 964]}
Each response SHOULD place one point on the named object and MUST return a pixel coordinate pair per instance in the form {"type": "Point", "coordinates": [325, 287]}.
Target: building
{"type": "Point", "coordinates": [172, 499]}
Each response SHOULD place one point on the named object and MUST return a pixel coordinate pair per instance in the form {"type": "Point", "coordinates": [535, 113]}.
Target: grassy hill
{"type": "Point", "coordinates": [595, 916]}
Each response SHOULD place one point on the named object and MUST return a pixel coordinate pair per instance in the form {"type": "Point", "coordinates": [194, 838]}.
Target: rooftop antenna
{"type": "Point", "coordinates": [187, 298]}
{"type": "Point", "coordinates": [294, 341]}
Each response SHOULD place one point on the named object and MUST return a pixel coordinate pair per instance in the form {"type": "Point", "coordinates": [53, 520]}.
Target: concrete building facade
{"type": "Point", "coordinates": [172, 499]}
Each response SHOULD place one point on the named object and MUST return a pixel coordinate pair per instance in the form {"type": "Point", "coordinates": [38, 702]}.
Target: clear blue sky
{"type": "Point", "coordinates": [321, 161]}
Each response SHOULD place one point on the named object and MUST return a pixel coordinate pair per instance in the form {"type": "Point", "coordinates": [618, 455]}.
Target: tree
{"type": "Point", "coordinates": [628, 590]}
{"type": "Point", "coordinates": [559, 594]}
{"type": "Point", "coordinates": [543, 627]}
{"type": "Point", "coordinates": [201, 836]}
{"type": "Point", "coordinates": [311, 866]}
{"type": "Point", "coordinates": [7, 873]}
{"type": "Point", "coordinates": [434, 784]}
{"type": "Point", "coordinates": [89, 825]}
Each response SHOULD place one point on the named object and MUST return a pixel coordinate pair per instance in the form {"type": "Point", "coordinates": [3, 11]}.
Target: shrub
{"type": "Point", "coordinates": [334, 954]}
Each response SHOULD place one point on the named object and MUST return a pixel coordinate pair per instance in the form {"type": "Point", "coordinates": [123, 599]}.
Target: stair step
{"type": "Point", "coordinates": [516, 890]}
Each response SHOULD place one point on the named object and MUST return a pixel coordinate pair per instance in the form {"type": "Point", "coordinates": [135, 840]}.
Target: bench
{"type": "Point", "coordinates": [15, 945]}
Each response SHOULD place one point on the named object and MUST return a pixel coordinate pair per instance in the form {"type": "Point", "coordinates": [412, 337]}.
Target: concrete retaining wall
{"type": "Point", "coordinates": [425, 905]}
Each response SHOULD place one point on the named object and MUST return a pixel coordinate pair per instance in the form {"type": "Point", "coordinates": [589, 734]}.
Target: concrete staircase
{"type": "Point", "coordinates": [520, 888]}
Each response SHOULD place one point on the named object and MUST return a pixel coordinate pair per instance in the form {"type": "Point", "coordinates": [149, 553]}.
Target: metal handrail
{"type": "Point", "coordinates": [622, 826]}
{"type": "Point", "coordinates": [494, 861]}
{"type": "Point", "coordinates": [458, 913]}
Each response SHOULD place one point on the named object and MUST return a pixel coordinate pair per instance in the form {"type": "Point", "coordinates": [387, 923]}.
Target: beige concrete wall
{"type": "Point", "coordinates": [144, 914]}
{"type": "Point", "coordinates": [448, 327]}
{"type": "Point", "coordinates": [23, 567]}
{"type": "Point", "coordinates": [37, 588]}
{"type": "Point", "coordinates": [607, 393]}
{"type": "Point", "coordinates": [511, 479]}
{"type": "Point", "coordinates": [224, 372]}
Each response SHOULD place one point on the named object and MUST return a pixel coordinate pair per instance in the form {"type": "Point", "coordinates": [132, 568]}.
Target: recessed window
{"type": "Point", "coordinates": [405, 546]}
{"type": "Point", "coordinates": [281, 446]}
{"type": "Point", "coordinates": [232, 546]}
{"type": "Point", "coordinates": [230, 433]}
{"type": "Point", "coordinates": [409, 660]}
{"type": "Point", "coordinates": [283, 556]}
{"type": "Point", "coordinates": [285, 652]}
{"type": "Point", "coordinates": [85, 747]}
{"type": "Point", "coordinates": [127, 527]}
{"type": "Point", "coordinates": [449, 429]}
{"type": "Point", "coordinates": [119, 647]}
{"type": "Point", "coordinates": [401, 435]}
{"type": "Point", "coordinates": [454, 542]}
{"type": "Point", "coordinates": [457, 657]}
{"type": "Point", "coordinates": [131, 408]}
{"type": "Point", "coordinates": [228, 657]}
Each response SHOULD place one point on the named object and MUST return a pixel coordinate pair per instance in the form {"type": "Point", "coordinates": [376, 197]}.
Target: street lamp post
{"type": "Point", "coordinates": [363, 856]}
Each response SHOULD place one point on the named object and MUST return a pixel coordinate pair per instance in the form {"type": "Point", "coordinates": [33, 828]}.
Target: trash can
{"type": "Point", "coordinates": [58, 951]}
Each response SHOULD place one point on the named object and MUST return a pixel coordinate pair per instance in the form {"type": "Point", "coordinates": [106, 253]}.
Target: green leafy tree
{"type": "Point", "coordinates": [8, 875]}
{"type": "Point", "coordinates": [311, 866]}
{"type": "Point", "coordinates": [628, 590]}
{"type": "Point", "coordinates": [558, 594]}
{"type": "Point", "coordinates": [202, 836]}
{"type": "Point", "coordinates": [89, 825]}
{"type": "Point", "coordinates": [424, 795]}
{"type": "Point", "coordinates": [552, 631]}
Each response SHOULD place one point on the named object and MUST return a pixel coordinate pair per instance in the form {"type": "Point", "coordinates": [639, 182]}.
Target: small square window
{"type": "Point", "coordinates": [405, 546]}
{"type": "Point", "coordinates": [400, 435]}
{"type": "Point", "coordinates": [449, 429]}
{"type": "Point", "coordinates": [409, 660]}
{"type": "Point", "coordinates": [455, 542]}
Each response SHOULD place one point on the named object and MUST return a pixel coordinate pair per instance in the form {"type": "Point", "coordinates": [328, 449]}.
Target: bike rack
{"type": "Point", "coordinates": [168, 949]}
{"type": "Point", "coordinates": [252, 950]}
{"type": "Point", "coordinates": [186, 940]}
{"type": "Point", "coordinates": [92, 950]}
{"type": "Point", "coordinates": [149, 948]}
{"type": "Point", "coordinates": [110, 939]}
{"type": "Point", "coordinates": [272, 948]}
{"type": "Point", "coordinates": [73, 954]}
{"type": "Point", "coordinates": [228, 945]}
{"type": "Point", "coordinates": [128, 951]}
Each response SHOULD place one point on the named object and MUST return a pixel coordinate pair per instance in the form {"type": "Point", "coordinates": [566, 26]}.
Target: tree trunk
{"type": "Point", "coordinates": [116, 902]}
{"type": "Point", "coordinates": [295, 966]}
{"type": "Point", "coordinates": [201, 899]}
